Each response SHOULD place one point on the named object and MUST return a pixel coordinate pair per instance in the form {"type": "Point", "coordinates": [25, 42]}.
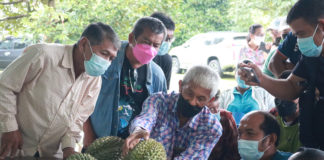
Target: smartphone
{"type": "Point", "coordinates": [251, 74]}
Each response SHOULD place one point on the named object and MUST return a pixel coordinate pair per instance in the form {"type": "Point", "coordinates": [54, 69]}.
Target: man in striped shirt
{"type": "Point", "coordinates": [182, 122]}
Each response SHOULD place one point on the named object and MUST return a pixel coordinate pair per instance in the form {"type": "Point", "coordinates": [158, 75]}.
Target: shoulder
{"type": "Point", "coordinates": [208, 122]}
{"type": "Point", "coordinates": [156, 70]}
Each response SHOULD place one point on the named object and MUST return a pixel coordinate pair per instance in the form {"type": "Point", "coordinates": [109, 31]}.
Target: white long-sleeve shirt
{"type": "Point", "coordinates": [40, 96]}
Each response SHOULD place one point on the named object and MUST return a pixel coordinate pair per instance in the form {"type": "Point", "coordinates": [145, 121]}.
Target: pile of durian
{"type": "Point", "coordinates": [110, 148]}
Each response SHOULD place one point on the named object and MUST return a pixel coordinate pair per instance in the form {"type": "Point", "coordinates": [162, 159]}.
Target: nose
{"type": "Point", "coordinates": [193, 102]}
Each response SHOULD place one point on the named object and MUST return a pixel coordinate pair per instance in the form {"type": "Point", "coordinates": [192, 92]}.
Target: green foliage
{"type": "Point", "coordinates": [64, 20]}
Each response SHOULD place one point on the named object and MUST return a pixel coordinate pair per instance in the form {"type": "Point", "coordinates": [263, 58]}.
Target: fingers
{"type": "Point", "coordinates": [146, 135]}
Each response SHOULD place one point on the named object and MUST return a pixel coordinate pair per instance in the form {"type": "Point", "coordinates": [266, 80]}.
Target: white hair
{"type": "Point", "coordinates": [204, 77]}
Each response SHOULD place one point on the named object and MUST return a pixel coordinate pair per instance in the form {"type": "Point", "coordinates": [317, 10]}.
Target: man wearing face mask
{"type": "Point", "coordinates": [306, 18]}
{"type": "Point", "coordinates": [49, 92]}
{"type": "Point", "coordinates": [132, 77]}
{"type": "Point", "coordinates": [259, 134]}
{"type": "Point", "coordinates": [182, 122]}
{"type": "Point", "coordinates": [163, 59]}
{"type": "Point", "coordinates": [243, 99]}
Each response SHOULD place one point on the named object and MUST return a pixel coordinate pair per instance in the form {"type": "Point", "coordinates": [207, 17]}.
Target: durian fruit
{"type": "Point", "coordinates": [147, 150]}
{"type": "Point", "coordinates": [81, 156]}
{"type": "Point", "coordinates": [106, 148]}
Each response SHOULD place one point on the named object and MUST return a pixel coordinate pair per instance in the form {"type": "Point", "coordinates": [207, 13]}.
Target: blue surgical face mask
{"type": "Point", "coordinates": [240, 82]}
{"type": "Point", "coordinates": [97, 65]}
{"type": "Point", "coordinates": [248, 149]}
{"type": "Point", "coordinates": [308, 47]}
{"type": "Point", "coordinates": [164, 48]}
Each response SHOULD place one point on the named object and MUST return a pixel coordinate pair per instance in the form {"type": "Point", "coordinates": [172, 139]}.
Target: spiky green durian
{"type": "Point", "coordinates": [106, 148]}
{"type": "Point", "coordinates": [81, 156]}
{"type": "Point", "coordinates": [147, 150]}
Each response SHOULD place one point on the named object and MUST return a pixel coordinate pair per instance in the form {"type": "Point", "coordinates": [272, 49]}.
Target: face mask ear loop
{"type": "Point", "coordinates": [263, 140]}
{"type": "Point", "coordinates": [315, 30]}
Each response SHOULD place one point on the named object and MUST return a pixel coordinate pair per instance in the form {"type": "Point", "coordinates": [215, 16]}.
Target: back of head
{"type": "Point", "coordinates": [155, 25]}
{"type": "Point", "coordinates": [204, 77]}
{"type": "Point", "coordinates": [166, 20]}
{"type": "Point", "coordinates": [307, 154]}
{"type": "Point", "coordinates": [96, 33]}
{"type": "Point", "coordinates": [309, 10]}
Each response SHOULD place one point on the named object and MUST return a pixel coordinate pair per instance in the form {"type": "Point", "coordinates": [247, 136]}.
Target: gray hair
{"type": "Point", "coordinates": [204, 77]}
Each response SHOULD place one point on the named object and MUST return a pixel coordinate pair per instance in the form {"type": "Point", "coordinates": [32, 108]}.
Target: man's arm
{"type": "Point", "coordinates": [12, 80]}
{"type": "Point", "coordinates": [277, 63]}
{"type": "Point", "coordinates": [142, 125]}
{"type": "Point", "coordinates": [287, 89]}
{"type": "Point", "coordinates": [85, 108]}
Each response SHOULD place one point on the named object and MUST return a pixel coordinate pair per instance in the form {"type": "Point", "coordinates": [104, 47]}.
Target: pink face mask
{"type": "Point", "coordinates": [144, 53]}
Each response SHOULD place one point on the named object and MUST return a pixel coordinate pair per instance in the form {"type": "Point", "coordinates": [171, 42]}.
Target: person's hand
{"type": "Point", "coordinates": [213, 106]}
{"type": "Point", "coordinates": [68, 151]}
{"type": "Point", "coordinates": [10, 143]}
{"type": "Point", "coordinates": [245, 76]}
{"type": "Point", "coordinates": [133, 139]}
{"type": "Point", "coordinates": [268, 46]}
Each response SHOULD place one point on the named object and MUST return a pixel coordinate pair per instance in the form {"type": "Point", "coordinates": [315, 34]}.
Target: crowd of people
{"type": "Point", "coordinates": [102, 86]}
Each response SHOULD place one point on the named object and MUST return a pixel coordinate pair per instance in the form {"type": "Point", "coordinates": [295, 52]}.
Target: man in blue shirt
{"type": "Point", "coordinates": [131, 78]}
{"type": "Point", "coordinates": [286, 50]}
{"type": "Point", "coordinates": [259, 134]}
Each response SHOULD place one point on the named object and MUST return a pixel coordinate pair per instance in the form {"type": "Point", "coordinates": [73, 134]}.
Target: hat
{"type": "Point", "coordinates": [278, 24]}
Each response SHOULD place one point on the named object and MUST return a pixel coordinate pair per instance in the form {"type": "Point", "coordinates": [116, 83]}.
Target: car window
{"type": "Point", "coordinates": [208, 42]}
{"type": "Point", "coordinates": [217, 40]}
{"type": "Point", "coordinates": [19, 45]}
{"type": "Point", "coordinates": [5, 44]}
{"type": "Point", "coordinates": [239, 40]}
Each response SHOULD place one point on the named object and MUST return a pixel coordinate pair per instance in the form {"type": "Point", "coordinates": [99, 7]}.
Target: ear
{"type": "Point", "coordinates": [82, 44]}
{"type": "Point", "coordinates": [272, 139]}
{"type": "Point", "coordinates": [321, 24]}
{"type": "Point", "coordinates": [131, 38]}
{"type": "Point", "coordinates": [180, 86]}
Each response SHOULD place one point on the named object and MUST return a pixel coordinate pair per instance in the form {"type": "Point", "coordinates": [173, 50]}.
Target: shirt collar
{"type": "Point", "coordinates": [67, 60]}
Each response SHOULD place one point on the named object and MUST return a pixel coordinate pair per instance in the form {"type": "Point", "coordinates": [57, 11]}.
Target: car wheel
{"type": "Point", "coordinates": [175, 65]}
{"type": "Point", "coordinates": [214, 64]}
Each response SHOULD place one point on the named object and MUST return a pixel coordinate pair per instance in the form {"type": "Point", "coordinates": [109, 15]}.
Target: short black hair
{"type": "Point", "coordinates": [252, 30]}
{"type": "Point", "coordinates": [309, 10]}
{"type": "Point", "coordinates": [166, 20]}
{"type": "Point", "coordinates": [155, 25]}
{"type": "Point", "coordinates": [96, 33]}
{"type": "Point", "coordinates": [285, 74]}
{"type": "Point", "coordinates": [270, 125]}
{"type": "Point", "coordinates": [307, 154]}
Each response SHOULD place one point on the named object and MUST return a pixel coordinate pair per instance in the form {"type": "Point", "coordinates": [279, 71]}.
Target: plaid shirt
{"type": "Point", "coordinates": [195, 140]}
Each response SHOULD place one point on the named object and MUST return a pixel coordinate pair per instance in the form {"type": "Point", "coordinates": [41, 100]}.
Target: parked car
{"type": "Point", "coordinates": [10, 49]}
{"type": "Point", "coordinates": [219, 50]}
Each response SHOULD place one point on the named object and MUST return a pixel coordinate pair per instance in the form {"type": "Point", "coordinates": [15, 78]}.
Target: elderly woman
{"type": "Point", "coordinates": [243, 99]}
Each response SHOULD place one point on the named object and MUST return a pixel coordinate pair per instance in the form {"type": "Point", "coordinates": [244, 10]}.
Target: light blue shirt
{"type": "Point", "coordinates": [242, 104]}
